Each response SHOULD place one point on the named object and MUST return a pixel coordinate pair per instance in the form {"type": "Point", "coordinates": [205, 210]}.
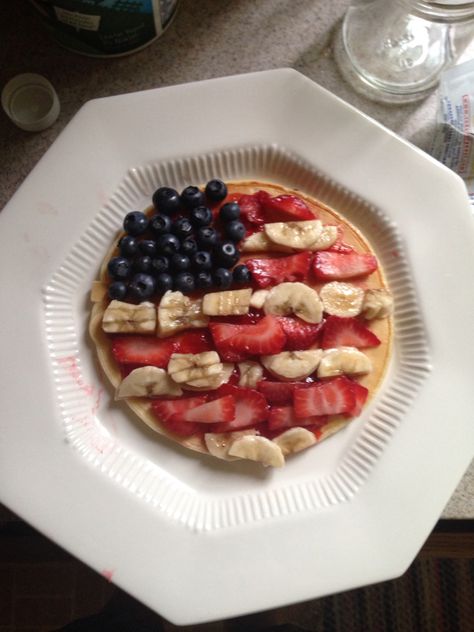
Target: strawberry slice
{"type": "Point", "coordinates": [251, 408]}
{"type": "Point", "coordinates": [347, 332]}
{"type": "Point", "coordinates": [195, 341]}
{"type": "Point", "coordinates": [282, 417]}
{"type": "Point", "coordinates": [142, 350]}
{"type": "Point", "coordinates": [279, 393]}
{"type": "Point", "coordinates": [328, 265]}
{"type": "Point", "coordinates": [299, 334]}
{"type": "Point", "coordinates": [339, 245]}
{"type": "Point", "coordinates": [332, 397]}
{"type": "Point", "coordinates": [267, 272]}
{"type": "Point", "coordinates": [165, 409]}
{"type": "Point", "coordinates": [284, 208]}
{"type": "Point", "coordinates": [360, 397]}
{"type": "Point", "coordinates": [251, 209]}
{"type": "Point", "coordinates": [263, 338]}
{"type": "Point", "coordinates": [217, 410]}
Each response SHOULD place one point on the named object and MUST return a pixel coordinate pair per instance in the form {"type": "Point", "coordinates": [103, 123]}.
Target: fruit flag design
{"type": "Point", "coordinates": [242, 320]}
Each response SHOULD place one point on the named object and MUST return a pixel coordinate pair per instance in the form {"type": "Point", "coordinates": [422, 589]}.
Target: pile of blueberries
{"type": "Point", "coordinates": [178, 248]}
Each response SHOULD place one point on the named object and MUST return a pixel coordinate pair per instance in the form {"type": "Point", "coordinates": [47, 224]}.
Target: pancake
{"type": "Point", "coordinates": [256, 443]}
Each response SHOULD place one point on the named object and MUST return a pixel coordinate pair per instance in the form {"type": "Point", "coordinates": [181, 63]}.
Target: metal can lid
{"type": "Point", "coordinates": [31, 102]}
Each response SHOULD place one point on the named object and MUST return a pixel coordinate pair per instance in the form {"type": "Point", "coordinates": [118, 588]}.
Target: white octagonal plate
{"type": "Point", "coordinates": [193, 538]}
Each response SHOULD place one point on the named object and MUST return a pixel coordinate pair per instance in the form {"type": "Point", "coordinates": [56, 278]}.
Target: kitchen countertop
{"type": "Point", "coordinates": [207, 39]}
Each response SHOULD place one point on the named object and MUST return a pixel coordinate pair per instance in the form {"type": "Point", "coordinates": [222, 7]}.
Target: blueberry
{"type": "Point", "coordinates": [179, 262]}
{"type": "Point", "coordinates": [200, 216]}
{"type": "Point", "coordinates": [201, 260]}
{"type": "Point", "coordinates": [203, 280]}
{"type": "Point", "coordinates": [142, 263]}
{"type": "Point", "coordinates": [182, 227]}
{"type": "Point", "coordinates": [160, 224]}
{"type": "Point", "coordinates": [215, 190]}
{"type": "Point", "coordinates": [226, 254]}
{"type": "Point", "coordinates": [222, 278]}
{"type": "Point", "coordinates": [128, 246]}
{"type": "Point", "coordinates": [164, 282]}
{"type": "Point", "coordinates": [142, 286]}
{"type": "Point", "coordinates": [159, 264]}
{"type": "Point", "coordinates": [167, 244]}
{"type": "Point", "coordinates": [184, 282]}
{"type": "Point", "coordinates": [117, 290]}
{"type": "Point", "coordinates": [207, 237]}
{"type": "Point", "coordinates": [135, 223]}
{"type": "Point", "coordinates": [241, 275]}
{"type": "Point", "coordinates": [229, 212]}
{"type": "Point", "coordinates": [147, 247]}
{"type": "Point", "coordinates": [191, 197]}
{"type": "Point", "coordinates": [235, 230]}
{"type": "Point", "coordinates": [188, 246]}
{"type": "Point", "coordinates": [119, 268]}
{"type": "Point", "coordinates": [166, 200]}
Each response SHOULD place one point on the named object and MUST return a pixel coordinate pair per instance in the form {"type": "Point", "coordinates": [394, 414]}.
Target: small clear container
{"type": "Point", "coordinates": [395, 50]}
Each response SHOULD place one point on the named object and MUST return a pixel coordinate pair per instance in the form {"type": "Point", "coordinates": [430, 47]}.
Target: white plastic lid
{"type": "Point", "coordinates": [31, 102]}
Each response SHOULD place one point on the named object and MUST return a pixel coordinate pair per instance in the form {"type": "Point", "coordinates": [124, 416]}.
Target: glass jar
{"type": "Point", "coordinates": [395, 50]}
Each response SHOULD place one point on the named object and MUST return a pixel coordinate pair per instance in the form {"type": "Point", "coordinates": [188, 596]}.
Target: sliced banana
{"type": "Point", "coordinates": [210, 383]}
{"type": "Point", "coordinates": [218, 443]}
{"type": "Point", "coordinates": [250, 373]}
{"type": "Point", "coordinates": [257, 448]}
{"type": "Point", "coordinates": [294, 440]}
{"type": "Point", "coordinates": [147, 381]}
{"type": "Point", "coordinates": [177, 312]}
{"type": "Point", "coordinates": [341, 299]}
{"type": "Point", "coordinates": [344, 361]}
{"type": "Point", "coordinates": [327, 237]}
{"type": "Point", "coordinates": [294, 298]}
{"type": "Point", "coordinates": [189, 367]}
{"type": "Point", "coordinates": [128, 318]}
{"type": "Point", "coordinates": [228, 303]}
{"type": "Point", "coordinates": [377, 303]}
{"type": "Point", "coordinates": [293, 365]}
{"type": "Point", "coordinates": [258, 298]}
{"type": "Point", "coordinates": [260, 242]}
{"type": "Point", "coordinates": [297, 235]}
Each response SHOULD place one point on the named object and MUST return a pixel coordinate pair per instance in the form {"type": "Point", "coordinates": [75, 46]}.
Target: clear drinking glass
{"type": "Point", "coordinates": [395, 50]}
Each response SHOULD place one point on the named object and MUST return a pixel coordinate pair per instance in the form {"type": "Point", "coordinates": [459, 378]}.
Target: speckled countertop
{"type": "Point", "coordinates": [209, 38]}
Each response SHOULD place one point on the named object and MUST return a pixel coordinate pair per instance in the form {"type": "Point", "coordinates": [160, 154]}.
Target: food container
{"type": "Point", "coordinates": [106, 28]}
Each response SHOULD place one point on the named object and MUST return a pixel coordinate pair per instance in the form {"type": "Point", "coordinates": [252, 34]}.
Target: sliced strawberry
{"type": "Point", "coordinates": [251, 209]}
{"type": "Point", "coordinates": [142, 350]}
{"type": "Point", "coordinates": [299, 334]}
{"type": "Point", "coordinates": [347, 332]}
{"type": "Point", "coordinates": [328, 265]}
{"type": "Point", "coordinates": [263, 338]}
{"type": "Point", "coordinates": [360, 397]}
{"type": "Point", "coordinates": [339, 245]}
{"type": "Point", "coordinates": [251, 408]}
{"type": "Point", "coordinates": [272, 271]}
{"type": "Point", "coordinates": [282, 417]}
{"type": "Point", "coordinates": [279, 393]}
{"type": "Point", "coordinates": [332, 397]}
{"type": "Point", "coordinates": [217, 410]}
{"type": "Point", "coordinates": [165, 409]}
{"type": "Point", "coordinates": [284, 208]}
{"type": "Point", "coordinates": [195, 341]}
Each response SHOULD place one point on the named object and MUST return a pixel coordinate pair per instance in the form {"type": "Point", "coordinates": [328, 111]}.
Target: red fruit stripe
{"type": "Point", "coordinates": [283, 208]}
{"type": "Point", "coordinates": [215, 411]}
{"type": "Point", "coordinates": [142, 350]}
{"type": "Point", "coordinates": [279, 393]}
{"type": "Point", "coordinates": [272, 271]}
{"type": "Point", "coordinates": [332, 397]}
{"type": "Point", "coordinates": [263, 338]}
{"type": "Point", "coordinates": [164, 409]}
{"type": "Point", "coordinates": [328, 266]}
{"type": "Point", "coordinates": [347, 332]}
{"type": "Point", "coordinates": [250, 408]}
{"type": "Point", "coordinates": [282, 417]}
{"type": "Point", "coordinates": [299, 334]}
{"type": "Point", "coordinates": [360, 397]}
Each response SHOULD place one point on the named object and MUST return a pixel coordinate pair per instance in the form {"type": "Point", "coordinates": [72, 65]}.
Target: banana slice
{"type": "Point", "coordinates": [341, 299]}
{"type": "Point", "coordinates": [189, 367]}
{"type": "Point", "coordinates": [250, 373]}
{"type": "Point", "coordinates": [257, 448]}
{"type": "Point", "coordinates": [260, 242]}
{"type": "Point", "coordinates": [326, 239]}
{"type": "Point", "coordinates": [228, 303]}
{"type": "Point", "coordinates": [297, 235]}
{"type": "Point", "coordinates": [128, 318]}
{"type": "Point", "coordinates": [218, 443]}
{"type": "Point", "coordinates": [294, 440]}
{"type": "Point", "coordinates": [258, 298]}
{"type": "Point", "coordinates": [343, 361]}
{"type": "Point", "coordinates": [294, 298]}
{"type": "Point", "coordinates": [147, 381]}
{"type": "Point", "coordinates": [211, 382]}
{"type": "Point", "coordinates": [177, 312]}
{"type": "Point", "coordinates": [293, 365]}
{"type": "Point", "coordinates": [377, 303]}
